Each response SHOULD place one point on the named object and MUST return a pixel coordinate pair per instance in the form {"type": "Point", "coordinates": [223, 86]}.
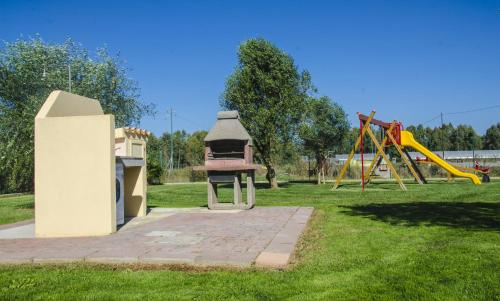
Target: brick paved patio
{"type": "Point", "coordinates": [264, 236]}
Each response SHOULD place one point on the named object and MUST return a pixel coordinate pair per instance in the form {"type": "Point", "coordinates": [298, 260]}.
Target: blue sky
{"type": "Point", "coordinates": [409, 60]}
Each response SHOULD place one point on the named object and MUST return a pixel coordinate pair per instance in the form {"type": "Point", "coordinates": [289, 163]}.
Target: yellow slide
{"type": "Point", "coordinates": [408, 140]}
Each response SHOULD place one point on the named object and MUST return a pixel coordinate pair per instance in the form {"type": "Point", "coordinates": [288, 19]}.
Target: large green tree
{"type": "Point", "coordinates": [492, 137]}
{"type": "Point", "coordinates": [421, 134]}
{"type": "Point", "coordinates": [195, 148]}
{"type": "Point", "coordinates": [323, 130]}
{"type": "Point", "coordinates": [465, 138]}
{"type": "Point", "coordinates": [29, 71]}
{"type": "Point", "coordinates": [447, 137]}
{"type": "Point", "coordinates": [270, 94]}
{"type": "Point", "coordinates": [155, 166]}
{"type": "Point", "coordinates": [178, 142]}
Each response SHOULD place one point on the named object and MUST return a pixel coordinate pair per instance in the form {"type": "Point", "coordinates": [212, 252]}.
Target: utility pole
{"type": "Point", "coordinates": [442, 136]}
{"type": "Point", "coordinates": [473, 157]}
{"type": "Point", "coordinates": [178, 159]}
{"type": "Point", "coordinates": [171, 160]}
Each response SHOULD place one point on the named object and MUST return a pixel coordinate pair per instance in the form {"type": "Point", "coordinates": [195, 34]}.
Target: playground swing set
{"type": "Point", "coordinates": [394, 135]}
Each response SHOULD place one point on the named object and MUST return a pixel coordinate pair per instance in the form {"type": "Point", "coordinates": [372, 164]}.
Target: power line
{"type": "Point", "coordinates": [474, 110]}
{"type": "Point", "coordinates": [188, 120]}
{"type": "Point", "coordinates": [430, 120]}
{"type": "Point", "coordinates": [461, 112]}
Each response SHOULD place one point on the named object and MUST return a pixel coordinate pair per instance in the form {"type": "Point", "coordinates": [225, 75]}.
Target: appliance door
{"type": "Point", "coordinates": [120, 200]}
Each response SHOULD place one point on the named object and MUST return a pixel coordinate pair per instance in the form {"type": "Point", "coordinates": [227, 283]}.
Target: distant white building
{"type": "Point", "coordinates": [490, 158]}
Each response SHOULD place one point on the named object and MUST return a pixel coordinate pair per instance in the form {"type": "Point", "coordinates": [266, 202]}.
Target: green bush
{"type": "Point", "coordinates": [154, 173]}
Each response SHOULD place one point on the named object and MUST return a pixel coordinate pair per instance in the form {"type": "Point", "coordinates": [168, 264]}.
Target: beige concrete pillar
{"type": "Point", "coordinates": [135, 191]}
{"type": "Point", "coordinates": [74, 168]}
{"type": "Point", "coordinates": [212, 194]}
{"type": "Point", "coordinates": [250, 189]}
{"type": "Point", "coordinates": [237, 200]}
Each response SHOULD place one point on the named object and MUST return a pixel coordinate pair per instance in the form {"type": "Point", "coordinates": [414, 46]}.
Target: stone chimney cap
{"type": "Point", "coordinates": [228, 115]}
{"type": "Point", "coordinates": [228, 127]}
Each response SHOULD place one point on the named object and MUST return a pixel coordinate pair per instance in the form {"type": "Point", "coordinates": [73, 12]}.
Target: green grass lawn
{"type": "Point", "coordinates": [14, 209]}
{"type": "Point", "coordinates": [440, 241]}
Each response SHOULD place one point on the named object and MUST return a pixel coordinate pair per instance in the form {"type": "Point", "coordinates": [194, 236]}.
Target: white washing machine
{"type": "Point", "coordinates": [120, 200]}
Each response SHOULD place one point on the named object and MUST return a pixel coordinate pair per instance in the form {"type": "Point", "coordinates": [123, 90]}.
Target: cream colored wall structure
{"type": "Point", "coordinates": [131, 143]}
{"type": "Point", "coordinates": [75, 188]}
{"type": "Point", "coordinates": [74, 168]}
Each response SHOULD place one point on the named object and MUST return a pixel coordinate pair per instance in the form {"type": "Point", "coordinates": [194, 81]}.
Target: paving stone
{"type": "Point", "coordinates": [247, 258]}
{"type": "Point", "coordinates": [264, 235]}
{"type": "Point", "coordinates": [167, 260]}
{"type": "Point", "coordinates": [21, 231]}
{"type": "Point", "coordinates": [14, 260]}
{"type": "Point", "coordinates": [49, 260]}
{"type": "Point", "coordinates": [62, 254]}
{"type": "Point", "coordinates": [17, 224]}
{"type": "Point", "coordinates": [170, 255]}
{"type": "Point", "coordinates": [221, 259]}
{"type": "Point", "coordinates": [272, 260]}
{"type": "Point", "coordinates": [280, 249]}
{"type": "Point", "coordinates": [112, 260]}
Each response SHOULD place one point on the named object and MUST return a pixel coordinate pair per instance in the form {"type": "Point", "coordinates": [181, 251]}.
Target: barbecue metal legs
{"type": "Point", "coordinates": [237, 196]}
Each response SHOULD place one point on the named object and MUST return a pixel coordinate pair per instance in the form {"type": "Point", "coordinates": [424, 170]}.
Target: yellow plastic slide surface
{"type": "Point", "coordinates": [408, 140]}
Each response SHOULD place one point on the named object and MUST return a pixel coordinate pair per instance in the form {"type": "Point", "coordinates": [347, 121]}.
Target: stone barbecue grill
{"type": "Point", "coordinates": [228, 155]}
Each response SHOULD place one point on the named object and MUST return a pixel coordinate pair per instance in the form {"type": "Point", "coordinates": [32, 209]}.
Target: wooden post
{"type": "Point", "coordinates": [377, 155]}
{"type": "Point", "coordinates": [361, 126]}
{"type": "Point", "coordinates": [351, 154]}
{"type": "Point", "coordinates": [389, 163]}
{"type": "Point", "coordinates": [403, 156]}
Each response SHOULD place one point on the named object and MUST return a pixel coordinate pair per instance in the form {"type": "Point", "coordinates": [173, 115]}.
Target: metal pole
{"type": "Point", "coordinates": [473, 156]}
{"type": "Point", "coordinates": [171, 166]}
{"type": "Point", "coordinates": [442, 135]}
{"type": "Point", "coordinates": [178, 159]}
{"type": "Point", "coordinates": [362, 157]}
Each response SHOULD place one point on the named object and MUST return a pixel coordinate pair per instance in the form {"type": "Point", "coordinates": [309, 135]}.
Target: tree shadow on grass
{"type": "Point", "coordinates": [258, 186]}
{"type": "Point", "coordinates": [314, 182]}
{"type": "Point", "coordinates": [470, 216]}
{"type": "Point", "coordinates": [151, 207]}
{"type": "Point", "coordinates": [261, 185]}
